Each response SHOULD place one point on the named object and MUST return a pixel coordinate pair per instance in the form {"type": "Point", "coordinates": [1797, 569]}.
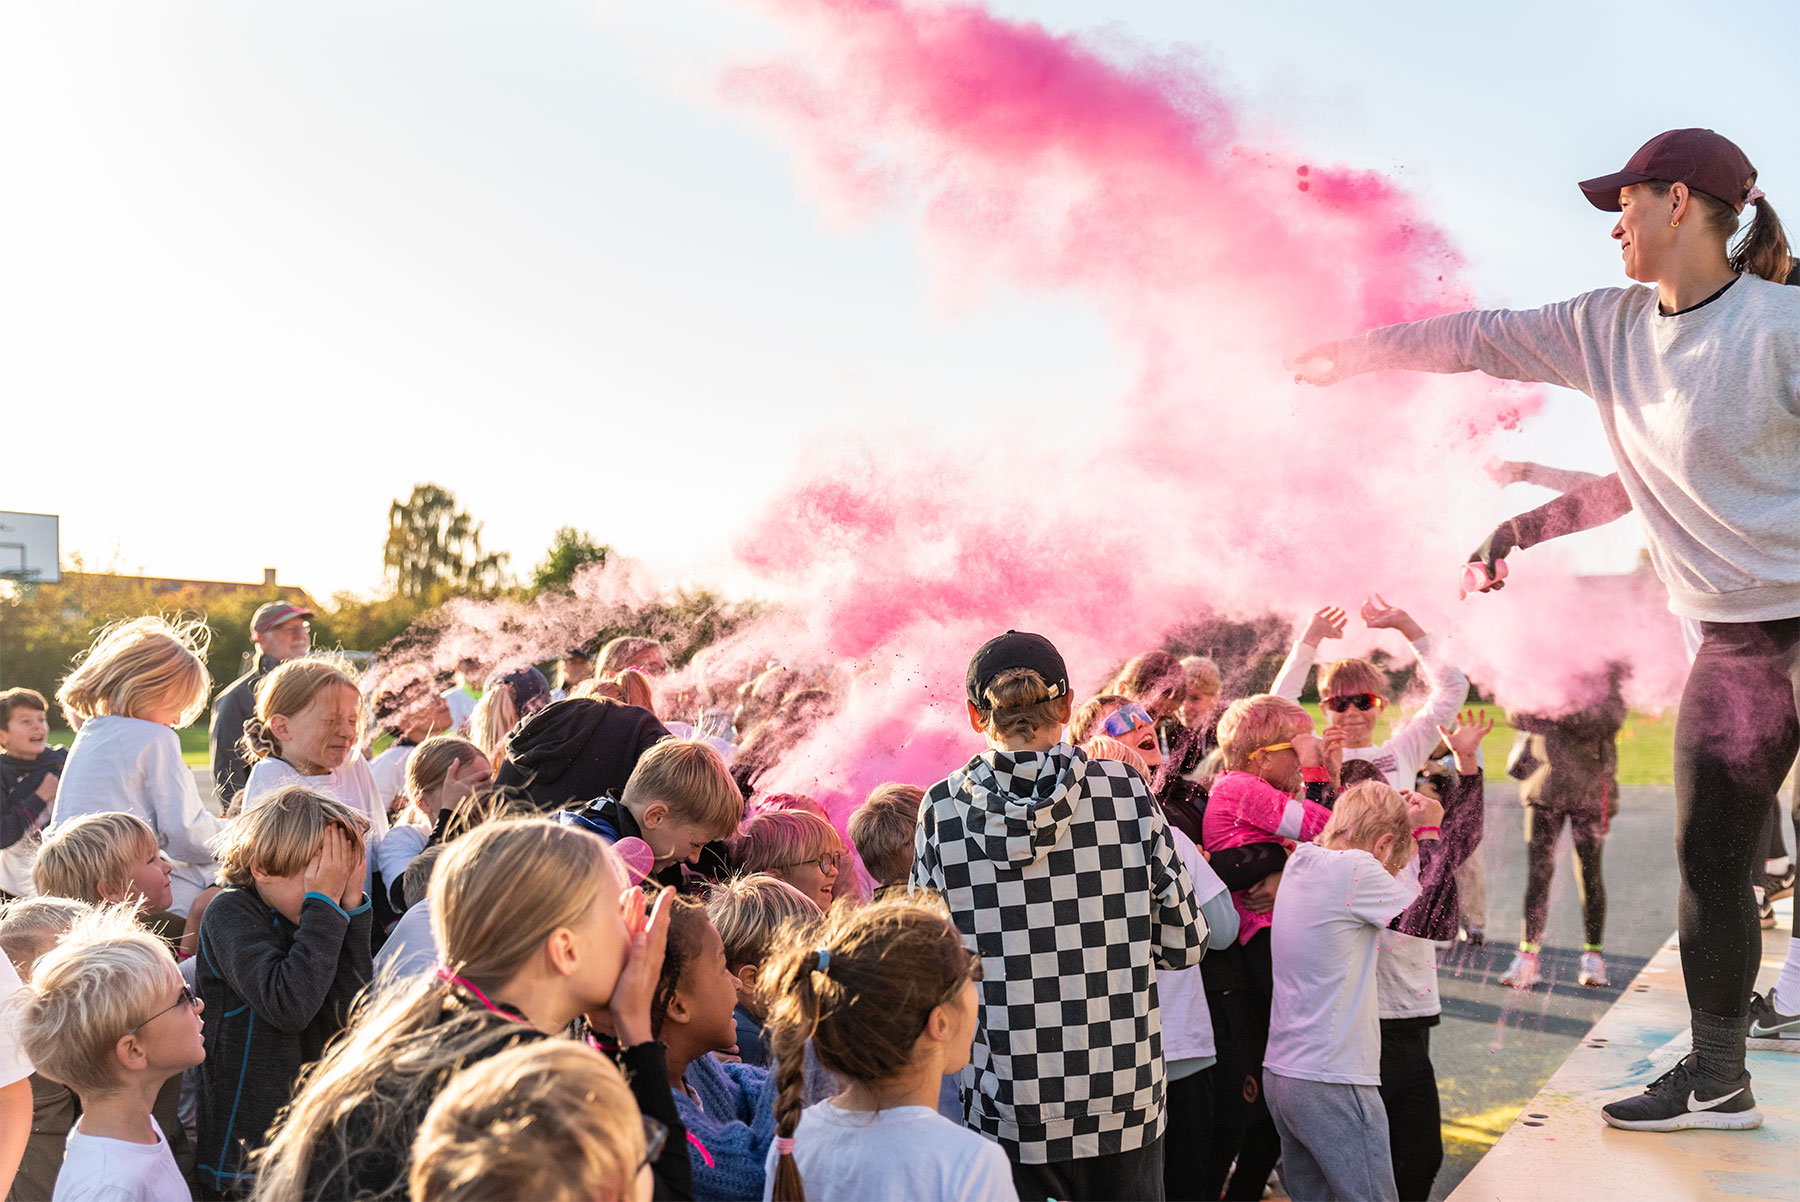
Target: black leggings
{"type": "Point", "coordinates": [1409, 1092]}
{"type": "Point", "coordinates": [1542, 827]}
{"type": "Point", "coordinates": [1737, 733]}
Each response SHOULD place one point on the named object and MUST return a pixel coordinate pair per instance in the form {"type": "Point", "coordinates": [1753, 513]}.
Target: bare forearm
{"type": "Point", "coordinates": [15, 1129]}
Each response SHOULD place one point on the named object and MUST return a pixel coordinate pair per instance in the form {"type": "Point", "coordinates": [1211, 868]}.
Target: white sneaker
{"type": "Point", "coordinates": [1524, 971]}
{"type": "Point", "coordinates": [1593, 970]}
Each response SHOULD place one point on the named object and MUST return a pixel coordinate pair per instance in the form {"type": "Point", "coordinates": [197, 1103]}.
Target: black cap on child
{"type": "Point", "coordinates": [1016, 649]}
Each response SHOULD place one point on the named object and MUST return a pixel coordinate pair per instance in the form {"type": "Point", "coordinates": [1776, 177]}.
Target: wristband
{"type": "Point", "coordinates": [1420, 830]}
{"type": "Point", "coordinates": [1315, 774]}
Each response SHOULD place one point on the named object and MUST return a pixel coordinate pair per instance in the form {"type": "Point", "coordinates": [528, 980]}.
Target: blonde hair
{"type": "Point", "coordinates": [91, 855]}
{"type": "Point", "coordinates": [1255, 722]}
{"type": "Point", "coordinates": [134, 665]}
{"type": "Point", "coordinates": [1342, 676]}
{"type": "Point", "coordinates": [496, 895]}
{"type": "Point", "coordinates": [1082, 725]}
{"type": "Point", "coordinates": [552, 1120]}
{"type": "Point", "coordinates": [1200, 670]}
{"type": "Point", "coordinates": [1363, 814]}
{"type": "Point", "coordinates": [281, 834]}
{"type": "Point", "coordinates": [773, 840]}
{"type": "Point", "coordinates": [429, 765]}
{"type": "Point", "coordinates": [92, 989]}
{"type": "Point", "coordinates": [30, 926]}
{"type": "Point", "coordinates": [415, 882]}
{"type": "Point", "coordinates": [634, 689]}
{"type": "Point", "coordinates": [750, 911]}
{"type": "Point", "coordinates": [621, 653]}
{"type": "Point", "coordinates": [689, 777]}
{"type": "Point", "coordinates": [882, 830]}
{"type": "Point", "coordinates": [1105, 747]}
{"type": "Point", "coordinates": [287, 690]}
{"type": "Point", "coordinates": [891, 964]}
{"type": "Point", "coordinates": [1017, 705]}
{"type": "Point", "coordinates": [492, 720]}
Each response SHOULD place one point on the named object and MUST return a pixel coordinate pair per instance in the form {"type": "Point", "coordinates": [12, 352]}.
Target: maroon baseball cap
{"type": "Point", "coordinates": [1703, 160]}
{"type": "Point", "coordinates": [274, 613]}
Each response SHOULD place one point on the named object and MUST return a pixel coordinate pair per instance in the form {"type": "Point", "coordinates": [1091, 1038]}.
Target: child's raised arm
{"type": "Point", "coordinates": [1326, 623]}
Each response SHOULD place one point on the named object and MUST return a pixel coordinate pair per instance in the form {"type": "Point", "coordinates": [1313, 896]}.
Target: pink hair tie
{"type": "Point", "coordinates": [784, 1147]}
{"type": "Point", "coordinates": [1756, 194]}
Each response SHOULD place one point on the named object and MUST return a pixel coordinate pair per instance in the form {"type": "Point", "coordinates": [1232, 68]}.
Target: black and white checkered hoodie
{"type": "Point", "coordinates": [1062, 870]}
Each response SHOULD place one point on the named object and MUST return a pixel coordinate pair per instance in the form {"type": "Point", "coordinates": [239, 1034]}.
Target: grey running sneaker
{"type": "Point", "coordinates": [1682, 1099]}
{"type": "Point", "coordinates": [1770, 1029]}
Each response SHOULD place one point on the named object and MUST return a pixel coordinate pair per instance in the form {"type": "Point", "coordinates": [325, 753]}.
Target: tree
{"type": "Point", "coordinates": [570, 550]}
{"type": "Point", "coordinates": [433, 547]}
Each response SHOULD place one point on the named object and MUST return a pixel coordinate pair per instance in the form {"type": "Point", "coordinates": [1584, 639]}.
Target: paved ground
{"type": "Point", "coordinates": [1497, 1047]}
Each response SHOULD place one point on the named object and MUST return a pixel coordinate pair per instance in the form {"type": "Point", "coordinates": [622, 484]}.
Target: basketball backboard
{"type": "Point", "coordinates": [29, 547]}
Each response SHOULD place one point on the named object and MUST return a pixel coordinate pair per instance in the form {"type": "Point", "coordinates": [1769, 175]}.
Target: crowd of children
{"type": "Point", "coordinates": [1142, 945]}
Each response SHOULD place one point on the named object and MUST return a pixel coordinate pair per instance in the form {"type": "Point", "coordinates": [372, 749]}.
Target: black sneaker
{"type": "Point", "coordinates": [1681, 1099]}
{"type": "Point", "coordinates": [1765, 909]}
{"type": "Point", "coordinates": [1770, 1029]}
{"type": "Point", "coordinates": [1777, 887]}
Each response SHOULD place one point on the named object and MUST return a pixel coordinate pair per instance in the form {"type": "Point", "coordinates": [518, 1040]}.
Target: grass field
{"type": "Point", "coordinates": [1646, 747]}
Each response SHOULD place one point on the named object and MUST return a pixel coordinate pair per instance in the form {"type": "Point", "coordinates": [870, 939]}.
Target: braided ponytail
{"type": "Point", "coordinates": [860, 988]}
{"type": "Point", "coordinates": [790, 974]}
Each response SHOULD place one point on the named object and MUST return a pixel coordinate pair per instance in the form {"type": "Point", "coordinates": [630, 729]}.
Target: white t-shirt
{"type": "Point", "coordinates": [1323, 1022]}
{"type": "Point", "coordinates": [462, 705]}
{"type": "Point", "coordinates": [129, 764]}
{"type": "Point", "coordinates": [906, 1152]}
{"type": "Point", "coordinates": [399, 848]}
{"type": "Point", "coordinates": [351, 783]}
{"type": "Point", "coordinates": [1186, 1020]}
{"type": "Point", "coordinates": [97, 1169]}
{"type": "Point", "coordinates": [410, 948]}
{"type": "Point", "coordinates": [1406, 975]}
{"type": "Point", "coordinates": [14, 1064]}
{"type": "Point", "coordinates": [389, 771]}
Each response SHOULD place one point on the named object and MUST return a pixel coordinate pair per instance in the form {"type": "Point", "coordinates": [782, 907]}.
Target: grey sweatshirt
{"type": "Point", "coordinates": [1702, 410]}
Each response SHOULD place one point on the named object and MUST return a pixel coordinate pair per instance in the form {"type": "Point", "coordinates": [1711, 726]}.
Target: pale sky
{"type": "Point", "coordinates": [267, 265]}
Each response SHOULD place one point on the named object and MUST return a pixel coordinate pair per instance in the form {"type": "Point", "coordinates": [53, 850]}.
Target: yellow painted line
{"type": "Point", "coordinates": [1485, 1127]}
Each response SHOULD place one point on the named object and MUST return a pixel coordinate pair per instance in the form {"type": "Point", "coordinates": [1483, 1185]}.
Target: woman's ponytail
{"type": "Point", "coordinates": [1764, 250]}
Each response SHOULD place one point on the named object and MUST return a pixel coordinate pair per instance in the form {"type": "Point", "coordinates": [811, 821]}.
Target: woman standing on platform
{"type": "Point", "coordinates": [1697, 382]}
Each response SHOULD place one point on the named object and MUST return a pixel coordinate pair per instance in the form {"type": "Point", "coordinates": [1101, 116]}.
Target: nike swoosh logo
{"type": "Point", "coordinates": [1694, 1102]}
{"type": "Point", "coordinates": [1758, 1031]}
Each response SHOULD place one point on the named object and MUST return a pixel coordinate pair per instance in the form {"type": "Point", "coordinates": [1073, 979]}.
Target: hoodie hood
{"type": "Point", "coordinates": [1018, 803]}
{"type": "Point", "coordinates": [577, 750]}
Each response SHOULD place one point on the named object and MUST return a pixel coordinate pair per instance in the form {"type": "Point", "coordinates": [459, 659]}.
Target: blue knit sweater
{"type": "Point", "coordinates": [734, 1121]}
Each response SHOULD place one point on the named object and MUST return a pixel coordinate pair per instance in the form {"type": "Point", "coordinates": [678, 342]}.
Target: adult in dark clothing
{"type": "Point", "coordinates": [577, 750]}
{"type": "Point", "coordinates": [280, 632]}
{"type": "Point", "coordinates": [1568, 766]}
